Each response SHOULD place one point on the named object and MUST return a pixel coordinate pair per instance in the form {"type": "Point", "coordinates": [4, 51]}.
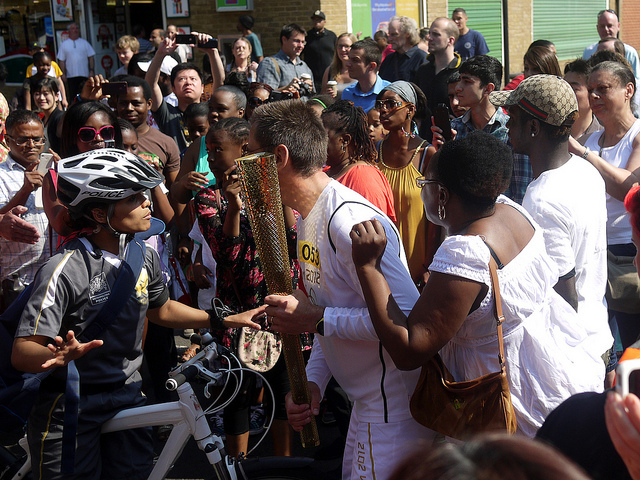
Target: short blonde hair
{"type": "Point", "coordinates": [128, 41]}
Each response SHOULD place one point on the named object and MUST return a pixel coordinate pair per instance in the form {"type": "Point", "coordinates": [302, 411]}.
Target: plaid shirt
{"type": "Point", "coordinates": [497, 126]}
{"type": "Point", "coordinates": [15, 257]}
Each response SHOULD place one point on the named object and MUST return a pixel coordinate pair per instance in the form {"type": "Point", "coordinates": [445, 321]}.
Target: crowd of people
{"type": "Point", "coordinates": [389, 262]}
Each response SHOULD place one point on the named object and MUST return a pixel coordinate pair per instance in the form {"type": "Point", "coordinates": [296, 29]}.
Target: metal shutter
{"type": "Point", "coordinates": [570, 25]}
{"type": "Point", "coordinates": [485, 17]}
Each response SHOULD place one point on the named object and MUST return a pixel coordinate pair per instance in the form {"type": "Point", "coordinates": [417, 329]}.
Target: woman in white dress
{"type": "Point", "coordinates": [545, 355]}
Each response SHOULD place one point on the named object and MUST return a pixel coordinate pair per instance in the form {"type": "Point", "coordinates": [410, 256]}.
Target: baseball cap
{"type": "Point", "coordinates": [246, 21]}
{"type": "Point", "coordinates": [167, 65]}
{"type": "Point", "coordinates": [318, 13]}
{"type": "Point", "coordinates": [546, 97]}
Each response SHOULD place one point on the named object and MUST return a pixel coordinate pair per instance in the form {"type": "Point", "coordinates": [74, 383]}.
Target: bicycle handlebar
{"type": "Point", "coordinates": [187, 374]}
{"type": "Point", "coordinates": [199, 364]}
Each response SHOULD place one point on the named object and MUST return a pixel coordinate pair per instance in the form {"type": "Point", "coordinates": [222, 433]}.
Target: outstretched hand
{"type": "Point", "coordinates": [66, 351]}
{"type": "Point", "coordinates": [292, 313]}
{"type": "Point", "coordinates": [369, 241]}
{"type": "Point", "coordinates": [16, 229]}
{"type": "Point", "coordinates": [246, 319]}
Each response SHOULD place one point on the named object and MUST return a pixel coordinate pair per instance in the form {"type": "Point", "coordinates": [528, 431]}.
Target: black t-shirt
{"type": "Point", "coordinates": [435, 87]}
{"type": "Point", "coordinates": [69, 292]}
{"type": "Point", "coordinates": [170, 122]}
{"type": "Point", "coordinates": [319, 53]}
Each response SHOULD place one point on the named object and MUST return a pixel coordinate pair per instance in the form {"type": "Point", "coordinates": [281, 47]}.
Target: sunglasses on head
{"type": "Point", "coordinates": [89, 134]}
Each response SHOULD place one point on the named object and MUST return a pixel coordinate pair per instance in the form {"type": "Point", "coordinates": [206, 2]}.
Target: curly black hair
{"type": "Point", "coordinates": [476, 168]}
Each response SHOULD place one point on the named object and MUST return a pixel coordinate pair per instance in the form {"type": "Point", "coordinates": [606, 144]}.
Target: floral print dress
{"type": "Point", "coordinates": [240, 281]}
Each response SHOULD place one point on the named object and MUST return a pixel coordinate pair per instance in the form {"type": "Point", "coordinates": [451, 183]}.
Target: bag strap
{"type": "Point", "coordinates": [127, 276]}
{"type": "Point", "coordinates": [497, 301]}
{"type": "Point", "coordinates": [277, 65]}
{"type": "Point", "coordinates": [126, 279]}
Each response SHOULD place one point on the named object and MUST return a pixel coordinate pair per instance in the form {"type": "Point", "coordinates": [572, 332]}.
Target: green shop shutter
{"type": "Point", "coordinates": [485, 17]}
{"type": "Point", "coordinates": [570, 25]}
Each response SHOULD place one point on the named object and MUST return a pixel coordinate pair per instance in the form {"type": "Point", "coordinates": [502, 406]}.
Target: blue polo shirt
{"type": "Point", "coordinates": [364, 100]}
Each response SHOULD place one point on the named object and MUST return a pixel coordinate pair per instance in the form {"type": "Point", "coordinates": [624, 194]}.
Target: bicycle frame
{"type": "Point", "coordinates": [188, 419]}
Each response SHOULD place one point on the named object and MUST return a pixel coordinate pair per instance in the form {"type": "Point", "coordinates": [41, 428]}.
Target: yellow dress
{"type": "Point", "coordinates": [411, 219]}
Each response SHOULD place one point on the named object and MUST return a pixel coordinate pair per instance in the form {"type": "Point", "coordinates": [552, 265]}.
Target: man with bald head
{"type": "Point", "coordinates": [608, 26]}
{"type": "Point", "coordinates": [76, 60]}
{"type": "Point", "coordinates": [433, 76]}
{"type": "Point", "coordinates": [403, 63]}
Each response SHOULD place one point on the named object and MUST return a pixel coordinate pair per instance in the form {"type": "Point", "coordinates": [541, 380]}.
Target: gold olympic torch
{"type": "Point", "coordinates": [259, 177]}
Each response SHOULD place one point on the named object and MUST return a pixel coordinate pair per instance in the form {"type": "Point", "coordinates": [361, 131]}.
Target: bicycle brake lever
{"type": "Point", "coordinates": [214, 378]}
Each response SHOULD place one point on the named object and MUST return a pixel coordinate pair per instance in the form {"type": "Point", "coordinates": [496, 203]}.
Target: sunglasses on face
{"type": "Point", "coordinates": [388, 104]}
{"type": "Point", "coordinates": [89, 134]}
{"type": "Point", "coordinates": [255, 102]}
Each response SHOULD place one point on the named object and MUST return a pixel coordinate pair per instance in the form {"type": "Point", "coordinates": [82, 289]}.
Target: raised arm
{"type": "Point", "coordinates": [437, 315]}
{"type": "Point", "coordinates": [217, 69]}
{"type": "Point", "coordinates": [153, 73]}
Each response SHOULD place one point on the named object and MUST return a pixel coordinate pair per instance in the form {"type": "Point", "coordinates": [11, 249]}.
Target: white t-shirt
{"type": "Point", "coordinates": [544, 341]}
{"type": "Point", "coordinates": [618, 226]}
{"type": "Point", "coordinates": [75, 54]}
{"type": "Point", "coordinates": [350, 349]}
{"type": "Point", "coordinates": [569, 203]}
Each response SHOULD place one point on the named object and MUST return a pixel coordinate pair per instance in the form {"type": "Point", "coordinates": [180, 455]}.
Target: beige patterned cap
{"type": "Point", "coordinates": [545, 97]}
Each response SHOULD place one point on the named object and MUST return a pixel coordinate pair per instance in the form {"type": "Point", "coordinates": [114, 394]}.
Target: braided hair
{"type": "Point", "coordinates": [344, 117]}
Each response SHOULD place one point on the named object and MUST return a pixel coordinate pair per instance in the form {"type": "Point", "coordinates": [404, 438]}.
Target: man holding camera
{"type": "Point", "coordinates": [19, 181]}
{"type": "Point", "coordinates": [286, 71]}
{"type": "Point", "coordinates": [186, 83]}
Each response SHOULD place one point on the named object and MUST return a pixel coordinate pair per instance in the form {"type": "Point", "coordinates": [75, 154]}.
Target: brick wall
{"type": "Point", "coordinates": [520, 32]}
{"type": "Point", "coordinates": [270, 16]}
{"type": "Point", "coordinates": [630, 20]}
{"type": "Point", "coordinates": [435, 9]}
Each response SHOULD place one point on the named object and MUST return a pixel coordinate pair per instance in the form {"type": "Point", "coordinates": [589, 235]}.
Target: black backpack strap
{"type": "Point", "coordinates": [128, 274]}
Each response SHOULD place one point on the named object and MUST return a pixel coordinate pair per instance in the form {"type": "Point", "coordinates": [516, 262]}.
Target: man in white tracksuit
{"type": "Point", "coordinates": [381, 430]}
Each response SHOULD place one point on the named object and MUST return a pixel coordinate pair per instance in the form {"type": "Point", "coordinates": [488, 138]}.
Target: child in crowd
{"type": "Point", "coordinates": [126, 47]}
{"type": "Point", "coordinates": [129, 136]}
{"type": "Point", "coordinates": [196, 118]}
{"type": "Point", "coordinates": [240, 282]}
{"type": "Point", "coordinates": [42, 64]}
{"type": "Point", "coordinates": [376, 130]}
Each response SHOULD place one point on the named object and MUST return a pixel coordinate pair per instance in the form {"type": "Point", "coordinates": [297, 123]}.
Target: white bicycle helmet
{"type": "Point", "coordinates": [106, 175]}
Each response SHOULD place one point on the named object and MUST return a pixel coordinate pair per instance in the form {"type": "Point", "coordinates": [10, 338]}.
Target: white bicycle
{"type": "Point", "coordinates": [189, 419]}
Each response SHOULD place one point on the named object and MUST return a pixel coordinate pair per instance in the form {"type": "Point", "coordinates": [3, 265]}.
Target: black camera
{"type": "Point", "coordinates": [305, 89]}
{"type": "Point", "coordinates": [275, 96]}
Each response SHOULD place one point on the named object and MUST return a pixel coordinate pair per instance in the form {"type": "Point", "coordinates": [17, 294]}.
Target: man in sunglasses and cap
{"type": "Point", "coordinates": [19, 182]}
{"type": "Point", "coordinates": [321, 45]}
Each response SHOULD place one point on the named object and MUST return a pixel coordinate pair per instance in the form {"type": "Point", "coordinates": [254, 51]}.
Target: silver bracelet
{"type": "Point", "coordinates": [586, 153]}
